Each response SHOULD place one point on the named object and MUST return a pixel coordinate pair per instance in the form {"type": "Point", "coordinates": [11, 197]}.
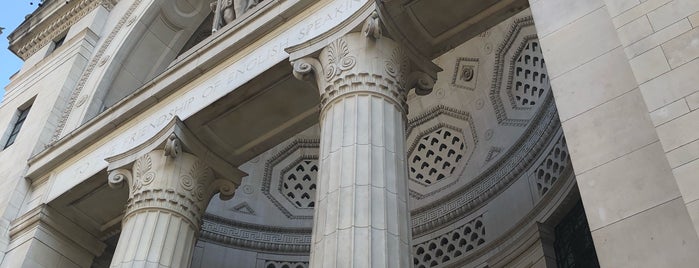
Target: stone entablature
{"type": "Point", "coordinates": [189, 102]}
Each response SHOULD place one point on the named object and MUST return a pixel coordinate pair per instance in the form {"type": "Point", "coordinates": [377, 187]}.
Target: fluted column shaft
{"type": "Point", "coordinates": [155, 238]}
{"type": "Point", "coordinates": [361, 217]}
{"type": "Point", "coordinates": [168, 193]}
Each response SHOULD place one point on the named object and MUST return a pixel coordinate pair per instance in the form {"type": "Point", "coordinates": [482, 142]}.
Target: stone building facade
{"type": "Point", "coordinates": [352, 133]}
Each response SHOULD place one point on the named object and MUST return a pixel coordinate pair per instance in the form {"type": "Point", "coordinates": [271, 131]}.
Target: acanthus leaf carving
{"type": "Point", "coordinates": [203, 175]}
{"type": "Point", "coordinates": [143, 174]}
{"type": "Point", "coordinates": [339, 59]}
{"type": "Point", "coordinates": [398, 65]}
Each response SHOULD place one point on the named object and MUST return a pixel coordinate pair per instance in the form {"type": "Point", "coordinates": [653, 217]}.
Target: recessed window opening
{"type": "Point", "coordinates": [17, 125]}
{"type": "Point", "coordinates": [57, 43]}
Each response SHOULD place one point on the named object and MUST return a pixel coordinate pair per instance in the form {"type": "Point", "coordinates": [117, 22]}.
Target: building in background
{"type": "Point", "coordinates": [338, 133]}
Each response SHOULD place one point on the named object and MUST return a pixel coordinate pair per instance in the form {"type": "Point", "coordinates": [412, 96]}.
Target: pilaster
{"type": "Point", "coordinates": [632, 201]}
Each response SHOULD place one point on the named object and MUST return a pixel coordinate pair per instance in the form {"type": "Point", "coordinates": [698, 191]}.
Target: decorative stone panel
{"type": "Point", "coordinates": [298, 183]}
{"type": "Point", "coordinates": [289, 180]}
{"type": "Point", "coordinates": [465, 73]}
{"type": "Point", "coordinates": [520, 80]}
{"type": "Point", "coordinates": [552, 167]}
{"type": "Point", "coordinates": [504, 169]}
{"type": "Point", "coordinates": [437, 155]}
{"type": "Point", "coordinates": [264, 238]}
{"type": "Point", "coordinates": [530, 80]}
{"type": "Point", "coordinates": [442, 142]}
{"type": "Point", "coordinates": [450, 246]}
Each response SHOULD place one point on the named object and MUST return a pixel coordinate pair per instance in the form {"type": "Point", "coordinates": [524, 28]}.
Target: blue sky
{"type": "Point", "coordinates": [11, 15]}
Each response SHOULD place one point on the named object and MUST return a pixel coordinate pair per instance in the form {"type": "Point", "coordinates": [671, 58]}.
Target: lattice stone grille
{"type": "Point", "coordinates": [285, 264]}
{"type": "Point", "coordinates": [451, 245]}
{"type": "Point", "coordinates": [553, 166]}
{"type": "Point", "coordinates": [530, 80]}
{"type": "Point", "coordinates": [437, 155]}
{"type": "Point", "coordinates": [299, 183]}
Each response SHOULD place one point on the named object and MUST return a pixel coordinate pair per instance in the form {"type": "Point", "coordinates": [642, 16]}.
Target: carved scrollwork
{"type": "Point", "coordinates": [173, 147]}
{"type": "Point", "coordinates": [422, 82]}
{"type": "Point", "coordinates": [384, 69]}
{"type": "Point", "coordinates": [339, 59]}
{"type": "Point", "coordinates": [225, 188]}
{"type": "Point", "coordinates": [304, 68]}
{"type": "Point", "coordinates": [117, 177]}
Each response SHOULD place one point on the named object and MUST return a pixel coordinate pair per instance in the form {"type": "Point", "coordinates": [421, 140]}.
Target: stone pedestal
{"type": "Point", "coordinates": [361, 217]}
{"type": "Point", "coordinates": [168, 194]}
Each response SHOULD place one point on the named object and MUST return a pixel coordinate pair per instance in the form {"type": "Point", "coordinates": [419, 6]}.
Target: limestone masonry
{"type": "Point", "coordinates": [352, 133]}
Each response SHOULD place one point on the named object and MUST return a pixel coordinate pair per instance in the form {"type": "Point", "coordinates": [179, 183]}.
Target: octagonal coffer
{"type": "Point", "coordinates": [441, 141]}
{"type": "Point", "coordinates": [437, 156]}
{"type": "Point", "coordinates": [530, 80]}
{"type": "Point", "coordinates": [299, 183]}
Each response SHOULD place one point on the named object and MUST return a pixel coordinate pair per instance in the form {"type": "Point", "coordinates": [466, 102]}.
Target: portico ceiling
{"type": "Point", "coordinates": [257, 116]}
{"type": "Point", "coordinates": [431, 28]}
{"type": "Point", "coordinates": [272, 107]}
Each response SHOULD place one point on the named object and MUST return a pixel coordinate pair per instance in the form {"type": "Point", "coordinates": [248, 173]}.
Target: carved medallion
{"type": "Point", "coordinates": [465, 73]}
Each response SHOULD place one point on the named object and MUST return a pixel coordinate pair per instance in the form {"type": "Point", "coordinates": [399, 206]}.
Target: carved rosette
{"type": "Point", "coordinates": [361, 63]}
{"type": "Point", "coordinates": [178, 183]}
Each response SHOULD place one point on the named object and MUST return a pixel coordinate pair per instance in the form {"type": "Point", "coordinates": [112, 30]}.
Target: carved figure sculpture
{"type": "Point", "coordinates": [225, 11]}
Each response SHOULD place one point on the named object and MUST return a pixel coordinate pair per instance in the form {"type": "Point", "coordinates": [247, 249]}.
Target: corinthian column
{"type": "Point", "coordinates": [168, 192]}
{"type": "Point", "coordinates": [362, 217]}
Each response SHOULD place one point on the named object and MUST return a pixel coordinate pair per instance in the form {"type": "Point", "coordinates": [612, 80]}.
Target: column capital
{"type": "Point", "coordinates": [361, 61]}
{"type": "Point", "coordinates": [173, 172]}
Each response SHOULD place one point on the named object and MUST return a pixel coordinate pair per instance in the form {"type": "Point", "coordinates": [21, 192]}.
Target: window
{"type": "Point", "coordinates": [573, 245]}
{"type": "Point", "coordinates": [56, 44]}
{"type": "Point", "coordinates": [59, 42]}
{"type": "Point", "coordinates": [21, 116]}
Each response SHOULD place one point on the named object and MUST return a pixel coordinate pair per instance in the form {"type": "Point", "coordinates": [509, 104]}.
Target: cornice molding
{"type": "Point", "coordinates": [44, 216]}
{"type": "Point", "coordinates": [27, 39]}
{"type": "Point", "coordinates": [248, 236]}
{"type": "Point", "coordinates": [210, 52]}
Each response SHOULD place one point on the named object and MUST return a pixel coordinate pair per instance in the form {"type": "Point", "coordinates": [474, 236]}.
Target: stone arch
{"type": "Point", "coordinates": [155, 38]}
